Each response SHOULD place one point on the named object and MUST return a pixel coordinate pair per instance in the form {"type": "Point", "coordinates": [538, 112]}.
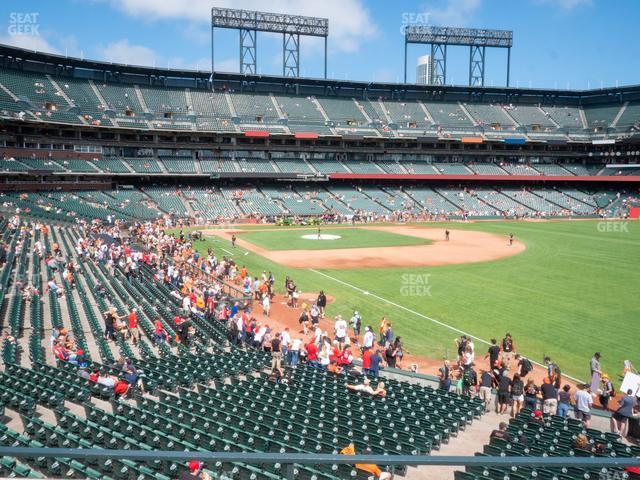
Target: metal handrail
{"type": "Point", "coordinates": [322, 459]}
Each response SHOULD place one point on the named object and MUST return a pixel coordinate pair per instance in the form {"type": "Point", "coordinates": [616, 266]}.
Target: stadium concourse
{"type": "Point", "coordinates": [119, 336]}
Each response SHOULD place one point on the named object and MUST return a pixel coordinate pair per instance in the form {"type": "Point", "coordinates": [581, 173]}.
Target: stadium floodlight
{"type": "Point", "coordinates": [249, 23]}
{"type": "Point", "coordinates": [476, 39]}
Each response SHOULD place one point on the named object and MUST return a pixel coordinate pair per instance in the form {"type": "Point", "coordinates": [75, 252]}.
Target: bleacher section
{"type": "Point", "coordinates": [358, 201]}
{"type": "Point", "coordinates": [552, 170]}
{"type": "Point", "coordinates": [293, 203]}
{"type": "Point", "coordinates": [212, 203]}
{"type": "Point", "coordinates": [601, 116]}
{"type": "Point", "coordinates": [450, 114]}
{"type": "Point", "coordinates": [404, 114]}
{"type": "Point", "coordinates": [503, 203]}
{"type": "Point", "coordinates": [38, 97]}
{"type": "Point", "coordinates": [489, 115]}
{"type": "Point", "coordinates": [343, 111]}
{"type": "Point", "coordinates": [37, 94]}
{"type": "Point", "coordinates": [566, 117]}
{"type": "Point", "coordinates": [554, 436]}
{"type": "Point", "coordinates": [290, 162]}
{"type": "Point", "coordinates": [267, 199]}
{"type": "Point", "coordinates": [527, 115]}
{"type": "Point", "coordinates": [630, 115]}
{"type": "Point", "coordinates": [144, 165]}
{"type": "Point", "coordinates": [167, 200]}
{"type": "Point", "coordinates": [255, 108]}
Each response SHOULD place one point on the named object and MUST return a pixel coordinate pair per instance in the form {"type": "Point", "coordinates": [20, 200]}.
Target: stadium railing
{"type": "Point", "coordinates": [290, 460]}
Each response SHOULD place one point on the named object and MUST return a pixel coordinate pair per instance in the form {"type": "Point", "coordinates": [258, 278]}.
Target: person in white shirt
{"type": "Point", "coordinates": [340, 328]}
{"type": "Point", "coordinates": [584, 401]}
{"type": "Point", "coordinates": [324, 357]}
{"type": "Point", "coordinates": [285, 340]}
{"type": "Point", "coordinates": [367, 341]}
{"type": "Point", "coordinates": [107, 380]}
{"type": "Point", "coordinates": [186, 304]}
{"type": "Point", "coordinates": [294, 355]}
{"type": "Point", "coordinates": [266, 305]}
{"type": "Point", "coordinates": [257, 339]}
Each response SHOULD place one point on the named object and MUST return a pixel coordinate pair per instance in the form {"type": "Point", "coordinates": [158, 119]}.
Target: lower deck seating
{"type": "Point", "coordinates": [211, 397]}
{"type": "Point", "coordinates": [554, 436]}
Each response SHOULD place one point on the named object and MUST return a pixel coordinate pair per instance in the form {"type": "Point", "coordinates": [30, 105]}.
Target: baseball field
{"type": "Point", "coordinates": [564, 288]}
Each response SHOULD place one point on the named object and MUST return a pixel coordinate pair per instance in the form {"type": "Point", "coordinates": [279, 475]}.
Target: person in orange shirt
{"type": "Point", "coordinates": [200, 303]}
{"type": "Point", "coordinates": [366, 467]}
{"type": "Point", "coordinates": [243, 272]}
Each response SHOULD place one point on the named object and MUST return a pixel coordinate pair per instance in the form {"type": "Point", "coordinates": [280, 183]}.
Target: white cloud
{"type": "Point", "coordinates": [124, 52]}
{"type": "Point", "coordinates": [349, 20]}
{"type": "Point", "coordinates": [30, 42]}
{"type": "Point", "coordinates": [454, 13]}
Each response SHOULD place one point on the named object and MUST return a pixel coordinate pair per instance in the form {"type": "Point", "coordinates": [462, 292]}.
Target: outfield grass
{"type": "Point", "coordinates": [574, 291]}
{"type": "Point", "coordinates": [285, 239]}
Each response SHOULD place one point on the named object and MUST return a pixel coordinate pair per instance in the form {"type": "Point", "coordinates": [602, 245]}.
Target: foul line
{"type": "Point", "coordinates": [418, 314]}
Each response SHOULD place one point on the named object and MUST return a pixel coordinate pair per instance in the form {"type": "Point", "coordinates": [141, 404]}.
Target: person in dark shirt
{"type": "Point", "coordinates": [508, 348]}
{"type": "Point", "coordinates": [517, 394]}
{"type": "Point", "coordinates": [620, 419]}
{"type": "Point", "coordinates": [461, 345]}
{"type": "Point", "coordinates": [444, 376]}
{"type": "Point", "coordinates": [504, 387]}
{"type": "Point", "coordinates": [564, 401]}
{"type": "Point", "coordinates": [376, 360]}
{"type": "Point", "coordinates": [484, 388]}
{"type": "Point", "coordinates": [493, 354]}
{"type": "Point", "coordinates": [549, 397]}
{"type": "Point", "coordinates": [321, 302]}
{"type": "Point", "coordinates": [524, 364]}
{"type": "Point", "coordinates": [502, 433]}
{"type": "Point", "coordinates": [469, 381]}
{"type": "Point", "coordinates": [276, 353]}
{"type": "Point", "coordinates": [531, 391]}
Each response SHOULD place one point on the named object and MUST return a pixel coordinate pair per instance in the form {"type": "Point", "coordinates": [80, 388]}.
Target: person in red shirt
{"type": "Point", "coordinates": [312, 354]}
{"type": "Point", "coordinates": [346, 358]}
{"type": "Point", "coordinates": [211, 306]}
{"type": "Point", "coordinates": [366, 361]}
{"type": "Point", "coordinates": [335, 353]}
{"type": "Point", "coordinates": [133, 326]}
{"type": "Point", "coordinates": [160, 332]}
{"type": "Point", "coordinates": [121, 388]}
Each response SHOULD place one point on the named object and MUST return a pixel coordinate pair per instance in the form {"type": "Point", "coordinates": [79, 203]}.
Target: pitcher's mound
{"type": "Point", "coordinates": [322, 236]}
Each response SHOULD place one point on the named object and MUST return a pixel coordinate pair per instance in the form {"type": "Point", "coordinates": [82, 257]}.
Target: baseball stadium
{"type": "Point", "coordinates": [208, 274]}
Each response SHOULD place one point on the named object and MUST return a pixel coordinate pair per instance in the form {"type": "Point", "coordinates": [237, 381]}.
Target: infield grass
{"type": "Point", "coordinates": [292, 239]}
{"type": "Point", "coordinates": [573, 291]}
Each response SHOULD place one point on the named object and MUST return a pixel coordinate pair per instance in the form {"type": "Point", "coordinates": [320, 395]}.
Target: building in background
{"type": "Point", "coordinates": [423, 70]}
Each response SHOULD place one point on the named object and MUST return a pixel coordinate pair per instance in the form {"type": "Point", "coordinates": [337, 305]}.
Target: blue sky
{"type": "Point", "coordinates": [557, 43]}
